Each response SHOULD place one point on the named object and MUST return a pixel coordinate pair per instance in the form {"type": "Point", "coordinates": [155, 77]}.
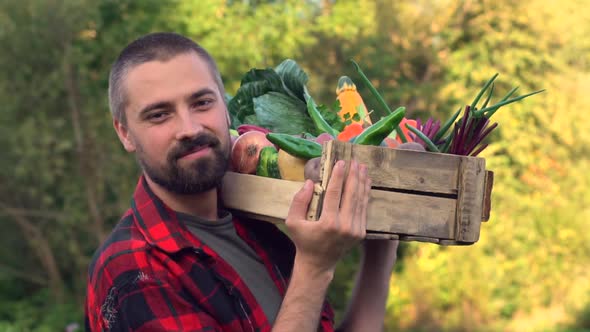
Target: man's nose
{"type": "Point", "coordinates": [188, 125]}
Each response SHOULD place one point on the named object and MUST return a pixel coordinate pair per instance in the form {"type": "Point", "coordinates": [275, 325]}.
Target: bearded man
{"type": "Point", "coordinates": [177, 260]}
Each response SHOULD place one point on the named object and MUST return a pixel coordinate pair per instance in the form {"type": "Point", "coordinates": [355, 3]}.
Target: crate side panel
{"type": "Point", "coordinates": [409, 214]}
{"type": "Point", "coordinates": [470, 199]}
{"type": "Point", "coordinates": [404, 169]}
{"type": "Point", "coordinates": [259, 195]}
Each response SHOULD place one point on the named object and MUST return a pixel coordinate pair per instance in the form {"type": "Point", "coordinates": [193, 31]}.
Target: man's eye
{"type": "Point", "coordinates": [158, 116]}
{"type": "Point", "coordinates": [202, 104]}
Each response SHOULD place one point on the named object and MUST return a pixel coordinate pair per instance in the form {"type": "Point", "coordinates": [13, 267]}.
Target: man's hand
{"type": "Point", "coordinates": [342, 225]}
{"type": "Point", "coordinates": [321, 244]}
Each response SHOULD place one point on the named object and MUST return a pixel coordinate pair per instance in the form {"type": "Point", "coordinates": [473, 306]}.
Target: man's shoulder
{"type": "Point", "coordinates": [121, 250]}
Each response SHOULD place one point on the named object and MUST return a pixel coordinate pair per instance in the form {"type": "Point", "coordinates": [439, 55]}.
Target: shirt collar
{"type": "Point", "coordinates": [157, 222]}
{"type": "Point", "coordinates": [161, 227]}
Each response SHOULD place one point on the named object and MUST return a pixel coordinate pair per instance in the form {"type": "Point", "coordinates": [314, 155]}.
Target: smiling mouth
{"type": "Point", "coordinates": [196, 151]}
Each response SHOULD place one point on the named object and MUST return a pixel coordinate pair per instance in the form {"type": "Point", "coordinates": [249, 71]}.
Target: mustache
{"type": "Point", "coordinates": [188, 145]}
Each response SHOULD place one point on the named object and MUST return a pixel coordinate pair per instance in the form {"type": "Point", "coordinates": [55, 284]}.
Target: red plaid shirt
{"type": "Point", "coordinates": [152, 274]}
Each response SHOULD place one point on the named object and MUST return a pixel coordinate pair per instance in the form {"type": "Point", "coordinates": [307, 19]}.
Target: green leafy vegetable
{"type": "Point", "coordinates": [330, 114]}
{"type": "Point", "coordinates": [320, 123]}
{"type": "Point", "coordinates": [273, 99]}
{"type": "Point", "coordinates": [255, 83]}
{"type": "Point", "coordinates": [293, 77]}
{"type": "Point", "coordinates": [283, 114]}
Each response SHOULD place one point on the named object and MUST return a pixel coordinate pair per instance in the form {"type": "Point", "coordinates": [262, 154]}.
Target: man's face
{"type": "Point", "coordinates": [177, 124]}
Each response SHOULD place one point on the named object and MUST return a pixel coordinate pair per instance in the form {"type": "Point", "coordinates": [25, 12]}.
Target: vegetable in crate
{"type": "Point", "coordinates": [377, 132]}
{"type": "Point", "coordinates": [324, 137]}
{"type": "Point", "coordinates": [422, 135]}
{"type": "Point", "coordinates": [468, 132]}
{"type": "Point", "coordinates": [405, 131]}
{"type": "Point", "coordinates": [320, 123]}
{"type": "Point", "coordinates": [411, 146]}
{"type": "Point", "coordinates": [352, 106]}
{"type": "Point", "coordinates": [390, 143]}
{"type": "Point", "coordinates": [312, 170]}
{"type": "Point", "coordinates": [377, 96]}
{"type": "Point", "coordinates": [245, 151]}
{"type": "Point", "coordinates": [290, 167]}
{"type": "Point", "coordinates": [350, 132]}
{"type": "Point", "coordinates": [275, 98]}
{"type": "Point", "coordinates": [268, 163]}
{"type": "Point", "coordinates": [296, 146]}
{"type": "Point", "coordinates": [244, 128]}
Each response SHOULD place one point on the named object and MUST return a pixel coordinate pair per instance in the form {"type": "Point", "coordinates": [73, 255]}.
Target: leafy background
{"type": "Point", "coordinates": [65, 180]}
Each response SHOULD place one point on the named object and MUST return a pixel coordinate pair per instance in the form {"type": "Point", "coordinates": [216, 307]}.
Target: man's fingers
{"type": "Point", "coordinates": [300, 203]}
{"type": "Point", "coordinates": [334, 191]}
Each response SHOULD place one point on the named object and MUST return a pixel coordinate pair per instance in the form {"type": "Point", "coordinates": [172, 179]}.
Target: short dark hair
{"type": "Point", "coordinates": [159, 46]}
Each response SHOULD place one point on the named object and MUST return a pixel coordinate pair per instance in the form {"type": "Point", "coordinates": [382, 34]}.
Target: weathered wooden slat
{"type": "Point", "coordinates": [419, 239]}
{"type": "Point", "coordinates": [487, 196]}
{"type": "Point", "coordinates": [329, 153]}
{"type": "Point", "coordinates": [269, 199]}
{"type": "Point", "coordinates": [402, 169]}
{"type": "Point", "coordinates": [258, 195]}
{"type": "Point", "coordinates": [381, 236]}
{"type": "Point", "coordinates": [409, 214]}
{"type": "Point", "coordinates": [470, 199]}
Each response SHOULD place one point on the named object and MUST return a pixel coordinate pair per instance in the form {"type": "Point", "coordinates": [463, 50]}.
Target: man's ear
{"type": "Point", "coordinates": [124, 136]}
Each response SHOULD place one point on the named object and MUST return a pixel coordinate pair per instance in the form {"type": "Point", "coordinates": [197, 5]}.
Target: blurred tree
{"type": "Point", "coordinates": [538, 153]}
{"type": "Point", "coordinates": [64, 179]}
{"type": "Point", "coordinates": [396, 45]}
{"type": "Point", "coordinates": [62, 184]}
{"type": "Point", "coordinates": [247, 34]}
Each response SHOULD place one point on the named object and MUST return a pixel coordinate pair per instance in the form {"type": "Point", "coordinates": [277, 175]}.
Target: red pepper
{"type": "Point", "coordinates": [405, 130]}
{"type": "Point", "coordinates": [350, 131]}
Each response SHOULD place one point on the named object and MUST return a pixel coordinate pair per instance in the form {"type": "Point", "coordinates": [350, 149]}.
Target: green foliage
{"type": "Point", "coordinates": [241, 35]}
{"type": "Point", "coordinates": [330, 114]}
{"type": "Point", "coordinates": [38, 313]}
{"type": "Point", "coordinates": [62, 168]}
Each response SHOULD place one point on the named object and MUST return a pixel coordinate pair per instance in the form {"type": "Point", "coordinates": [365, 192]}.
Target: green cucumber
{"type": "Point", "coordinates": [268, 165]}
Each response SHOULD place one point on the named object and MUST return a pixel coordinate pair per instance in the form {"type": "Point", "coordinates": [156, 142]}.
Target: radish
{"type": "Point", "coordinates": [411, 146]}
{"type": "Point", "coordinates": [324, 137]}
{"type": "Point", "coordinates": [312, 170]}
{"type": "Point", "coordinates": [245, 151]}
{"type": "Point", "coordinates": [244, 128]}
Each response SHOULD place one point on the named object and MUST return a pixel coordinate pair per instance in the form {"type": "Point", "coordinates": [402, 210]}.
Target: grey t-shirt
{"type": "Point", "coordinates": [222, 237]}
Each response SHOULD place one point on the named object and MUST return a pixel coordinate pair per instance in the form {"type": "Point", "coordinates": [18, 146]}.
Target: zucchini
{"type": "Point", "coordinates": [268, 164]}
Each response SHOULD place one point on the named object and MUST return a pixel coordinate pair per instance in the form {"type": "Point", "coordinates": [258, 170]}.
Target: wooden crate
{"type": "Point", "coordinates": [415, 196]}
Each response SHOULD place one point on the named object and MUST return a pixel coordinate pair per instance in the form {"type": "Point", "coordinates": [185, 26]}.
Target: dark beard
{"type": "Point", "coordinates": [199, 176]}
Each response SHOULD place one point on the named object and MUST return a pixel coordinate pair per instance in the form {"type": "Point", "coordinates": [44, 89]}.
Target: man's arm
{"type": "Point", "coordinates": [366, 310]}
{"type": "Point", "coordinates": [302, 306]}
{"type": "Point", "coordinates": [321, 244]}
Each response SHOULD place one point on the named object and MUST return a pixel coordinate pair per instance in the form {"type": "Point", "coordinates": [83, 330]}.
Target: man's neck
{"type": "Point", "coordinates": [202, 205]}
